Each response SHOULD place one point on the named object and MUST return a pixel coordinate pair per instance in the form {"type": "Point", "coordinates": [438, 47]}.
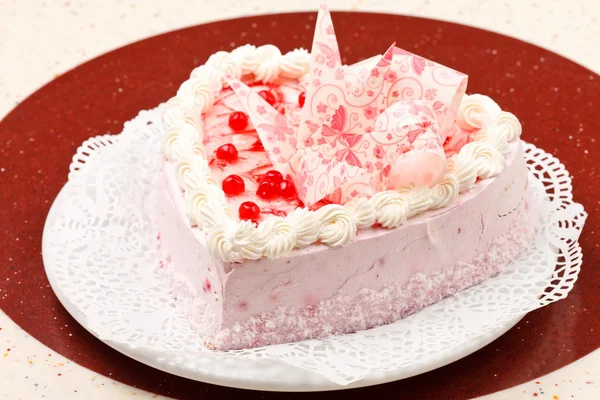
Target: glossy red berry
{"type": "Point", "coordinates": [287, 190]}
{"type": "Point", "coordinates": [274, 177]}
{"type": "Point", "coordinates": [249, 210]}
{"type": "Point", "coordinates": [266, 190]}
{"type": "Point", "coordinates": [301, 99]}
{"type": "Point", "coordinates": [233, 185]}
{"type": "Point", "coordinates": [268, 96]}
{"type": "Point", "coordinates": [238, 121]}
{"type": "Point", "coordinates": [227, 152]}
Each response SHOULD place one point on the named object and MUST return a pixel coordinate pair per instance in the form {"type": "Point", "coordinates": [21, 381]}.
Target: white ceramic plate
{"type": "Point", "coordinates": [99, 254]}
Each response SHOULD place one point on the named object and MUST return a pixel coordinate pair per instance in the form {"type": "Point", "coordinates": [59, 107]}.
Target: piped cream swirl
{"type": "Point", "coordinates": [510, 124]}
{"type": "Point", "coordinates": [475, 111]}
{"type": "Point", "coordinates": [192, 173]}
{"type": "Point", "coordinates": [295, 64]}
{"type": "Point", "coordinates": [306, 226]}
{"type": "Point", "coordinates": [362, 211]}
{"type": "Point", "coordinates": [268, 68]}
{"type": "Point", "coordinates": [419, 198]}
{"type": "Point", "coordinates": [445, 192]}
{"type": "Point", "coordinates": [280, 237]}
{"type": "Point", "coordinates": [227, 65]}
{"type": "Point", "coordinates": [198, 198]}
{"type": "Point", "coordinates": [391, 208]}
{"type": "Point", "coordinates": [338, 228]}
{"type": "Point", "coordinates": [235, 243]}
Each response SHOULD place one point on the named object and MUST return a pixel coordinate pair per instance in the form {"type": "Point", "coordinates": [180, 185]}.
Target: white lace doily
{"type": "Point", "coordinates": [100, 257]}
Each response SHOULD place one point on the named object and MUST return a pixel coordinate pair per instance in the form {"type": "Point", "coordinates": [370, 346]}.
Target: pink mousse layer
{"type": "Point", "coordinates": [318, 291]}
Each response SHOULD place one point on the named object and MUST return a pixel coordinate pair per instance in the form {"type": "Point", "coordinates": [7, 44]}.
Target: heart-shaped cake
{"type": "Point", "coordinates": [299, 198]}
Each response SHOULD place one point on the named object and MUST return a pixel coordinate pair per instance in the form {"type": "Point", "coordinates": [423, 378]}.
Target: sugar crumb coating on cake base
{"type": "Point", "coordinates": [342, 314]}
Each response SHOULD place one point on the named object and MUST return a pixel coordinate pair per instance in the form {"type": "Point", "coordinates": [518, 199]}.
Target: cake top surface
{"type": "Point", "coordinates": [275, 152]}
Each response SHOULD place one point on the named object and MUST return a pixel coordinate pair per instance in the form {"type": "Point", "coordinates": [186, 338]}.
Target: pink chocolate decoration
{"type": "Point", "coordinates": [377, 124]}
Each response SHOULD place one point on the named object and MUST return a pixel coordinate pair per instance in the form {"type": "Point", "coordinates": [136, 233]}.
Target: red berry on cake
{"type": "Point", "coordinates": [238, 121]}
{"type": "Point", "coordinates": [249, 211]}
{"type": "Point", "coordinates": [233, 185]}
{"type": "Point", "coordinates": [274, 177]}
{"type": "Point", "coordinates": [267, 96]}
{"type": "Point", "coordinates": [227, 152]}
{"type": "Point", "coordinates": [266, 190]}
{"type": "Point", "coordinates": [301, 99]}
{"type": "Point", "coordinates": [287, 190]}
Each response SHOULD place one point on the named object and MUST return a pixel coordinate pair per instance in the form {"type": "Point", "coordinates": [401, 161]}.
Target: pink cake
{"type": "Point", "coordinates": [300, 199]}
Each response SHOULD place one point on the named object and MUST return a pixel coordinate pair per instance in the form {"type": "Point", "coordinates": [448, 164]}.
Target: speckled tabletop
{"type": "Point", "coordinates": [40, 40]}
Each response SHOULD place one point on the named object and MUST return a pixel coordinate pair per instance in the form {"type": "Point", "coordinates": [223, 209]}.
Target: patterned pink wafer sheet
{"type": "Point", "coordinates": [367, 127]}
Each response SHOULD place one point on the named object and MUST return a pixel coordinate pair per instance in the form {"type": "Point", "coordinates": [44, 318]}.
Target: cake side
{"type": "Point", "coordinates": [311, 283]}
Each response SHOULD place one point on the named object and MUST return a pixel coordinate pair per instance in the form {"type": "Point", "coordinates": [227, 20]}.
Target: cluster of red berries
{"type": "Point", "coordinates": [272, 184]}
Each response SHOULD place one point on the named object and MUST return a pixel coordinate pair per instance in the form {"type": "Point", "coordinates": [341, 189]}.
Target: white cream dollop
{"type": "Point", "coordinates": [444, 193]}
{"type": "Point", "coordinates": [306, 226]}
{"type": "Point", "coordinates": [209, 74]}
{"type": "Point", "coordinates": [198, 149]}
{"type": "Point", "coordinates": [419, 198]}
{"type": "Point", "coordinates": [247, 57]}
{"type": "Point", "coordinates": [476, 111]}
{"type": "Point", "coordinates": [197, 198]}
{"type": "Point", "coordinates": [192, 173]}
{"type": "Point", "coordinates": [362, 211]}
{"type": "Point", "coordinates": [227, 65]}
{"type": "Point", "coordinates": [177, 141]}
{"type": "Point", "coordinates": [199, 90]}
{"type": "Point", "coordinates": [268, 68]}
{"type": "Point", "coordinates": [235, 243]}
{"type": "Point", "coordinates": [173, 116]}
{"type": "Point", "coordinates": [295, 64]}
{"type": "Point", "coordinates": [279, 237]}
{"type": "Point", "coordinates": [510, 124]}
{"type": "Point", "coordinates": [391, 208]}
{"type": "Point", "coordinates": [215, 212]}
{"type": "Point", "coordinates": [491, 162]}
{"type": "Point", "coordinates": [338, 227]}
{"type": "Point", "coordinates": [464, 169]}
{"type": "Point", "coordinates": [495, 137]}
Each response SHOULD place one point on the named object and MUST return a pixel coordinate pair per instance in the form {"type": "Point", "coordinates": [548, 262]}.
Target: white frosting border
{"type": "Point", "coordinates": [333, 224]}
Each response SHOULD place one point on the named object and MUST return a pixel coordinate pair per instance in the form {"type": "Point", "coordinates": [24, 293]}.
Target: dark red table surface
{"type": "Point", "coordinates": [556, 100]}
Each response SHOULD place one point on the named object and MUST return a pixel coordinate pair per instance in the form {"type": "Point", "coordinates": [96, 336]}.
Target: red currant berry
{"type": "Point", "coordinates": [287, 190]}
{"type": "Point", "coordinates": [301, 99]}
{"type": "Point", "coordinates": [266, 190]}
{"type": "Point", "coordinates": [233, 185]}
{"type": "Point", "coordinates": [227, 152]}
{"type": "Point", "coordinates": [249, 210]}
{"type": "Point", "coordinates": [268, 96]}
{"type": "Point", "coordinates": [274, 177]}
{"type": "Point", "coordinates": [238, 121]}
